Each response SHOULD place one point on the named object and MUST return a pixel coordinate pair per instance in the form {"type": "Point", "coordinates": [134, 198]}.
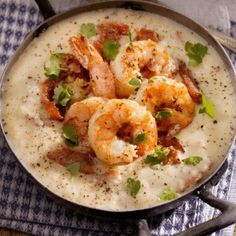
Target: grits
{"type": "Point", "coordinates": [31, 135]}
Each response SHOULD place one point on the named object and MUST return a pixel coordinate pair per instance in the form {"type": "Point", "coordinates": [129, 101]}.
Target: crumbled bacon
{"type": "Point", "coordinates": [111, 30]}
{"type": "Point", "coordinates": [190, 82]}
{"type": "Point", "coordinates": [65, 156]}
{"type": "Point", "coordinates": [172, 158]}
{"type": "Point", "coordinates": [126, 133]}
{"type": "Point", "coordinates": [74, 68]}
{"type": "Point", "coordinates": [147, 71]}
{"type": "Point", "coordinates": [144, 34]}
{"type": "Point", "coordinates": [167, 141]}
{"type": "Point", "coordinates": [47, 91]}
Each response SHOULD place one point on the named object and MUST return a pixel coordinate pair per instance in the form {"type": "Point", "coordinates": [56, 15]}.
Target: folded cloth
{"type": "Point", "coordinates": [25, 207]}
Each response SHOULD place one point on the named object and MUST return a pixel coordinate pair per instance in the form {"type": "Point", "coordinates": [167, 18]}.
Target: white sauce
{"type": "Point", "coordinates": [31, 135]}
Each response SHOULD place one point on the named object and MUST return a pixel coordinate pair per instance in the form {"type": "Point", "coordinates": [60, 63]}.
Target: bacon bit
{"type": "Point", "coordinates": [65, 157]}
{"type": "Point", "coordinates": [167, 141]}
{"type": "Point", "coordinates": [111, 30]}
{"type": "Point", "coordinates": [172, 158]}
{"type": "Point", "coordinates": [75, 70]}
{"type": "Point", "coordinates": [190, 82]}
{"type": "Point", "coordinates": [47, 90]}
{"type": "Point", "coordinates": [126, 133]}
{"type": "Point", "coordinates": [147, 71]}
{"type": "Point", "coordinates": [144, 34]}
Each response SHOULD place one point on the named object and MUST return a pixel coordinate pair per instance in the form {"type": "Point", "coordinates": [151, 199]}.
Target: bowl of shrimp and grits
{"type": "Point", "coordinates": [119, 110]}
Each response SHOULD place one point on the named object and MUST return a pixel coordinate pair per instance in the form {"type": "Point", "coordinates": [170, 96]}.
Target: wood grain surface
{"type": "Point", "coordinates": [6, 232]}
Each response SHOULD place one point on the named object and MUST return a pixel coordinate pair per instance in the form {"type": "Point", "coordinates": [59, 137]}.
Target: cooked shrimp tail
{"type": "Point", "coordinates": [102, 79]}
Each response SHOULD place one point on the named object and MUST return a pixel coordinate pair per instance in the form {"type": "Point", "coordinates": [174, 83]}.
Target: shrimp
{"type": "Point", "coordinates": [102, 79]}
{"type": "Point", "coordinates": [79, 114]}
{"type": "Point", "coordinates": [114, 120]}
{"type": "Point", "coordinates": [160, 94]}
{"type": "Point", "coordinates": [140, 59]}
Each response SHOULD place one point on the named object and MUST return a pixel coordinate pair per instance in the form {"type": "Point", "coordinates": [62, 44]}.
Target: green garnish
{"type": "Point", "coordinates": [139, 138]}
{"type": "Point", "coordinates": [135, 82]}
{"type": "Point", "coordinates": [110, 49]}
{"type": "Point", "coordinates": [62, 95]}
{"type": "Point", "coordinates": [70, 135]}
{"type": "Point", "coordinates": [207, 107]}
{"type": "Point", "coordinates": [193, 160]}
{"type": "Point", "coordinates": [53, 67]}
{"type": "Point", "coordinates": [168, 194]}
{"type": "Point", "coordinates": [157, 157]}
{"type": "Point", "coordinates": [130, 37]}
{"type": "Point", "coordinates": [163, 114]}
{"type": "Point", "coordinates": [133, 186]}
{"type": "Point", "coordinates": [73, 168]}
{"type": "Point", "coordinates": [195, 53]}
{"type": "Point", "coordinates": [88, 30]}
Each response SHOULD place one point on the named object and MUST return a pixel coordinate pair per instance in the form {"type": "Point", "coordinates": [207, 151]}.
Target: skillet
{"type": "Point", "coordinates": [228, 209]}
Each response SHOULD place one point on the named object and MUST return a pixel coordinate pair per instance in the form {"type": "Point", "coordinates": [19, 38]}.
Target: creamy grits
{"type": "Point", "coordinates": [32, 135]}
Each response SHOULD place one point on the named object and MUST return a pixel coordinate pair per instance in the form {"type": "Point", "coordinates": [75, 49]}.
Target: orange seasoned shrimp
{"type": "Point", "coordinates": [115, 125]}
{"type": "Point", "coordinates": [102, 79]}
{"type": "Point", "coordinates": [137, 60]}
{"type": "Point", "coordinates": [163, 94]}
{"type": "Point", "coordinates": [79, 114]}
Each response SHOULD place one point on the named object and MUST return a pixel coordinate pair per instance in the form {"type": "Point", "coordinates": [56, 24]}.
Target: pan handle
{"type": "Point", "coordinates": [228, 216]}
{"type": "Point", "coordinates": [45, 8]}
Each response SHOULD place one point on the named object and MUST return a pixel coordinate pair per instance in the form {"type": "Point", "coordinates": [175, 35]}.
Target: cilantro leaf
{"type": "Point", "coordinates": [130, 37]}
{"type": "Point", "coordinates": [62, 95]}
{"type": "Point", "coordinates": [70, 135]}
{"type": "Point", "coordinates": [168, 194]}
{"type": "Point", "coordinates": [207, 107]}
{"type": "Point", "coordinates": [73, 168]}
{"type": "Point", "coordinates": [53, 68]}
{"type": "Point", "coordinates": [157, 157]}
{"type": "Point", "coordinates": [195, 52]}
{"type": "Point", "coordinates": [110, 49]}
{"type": "Point", "coordinates": [193, 160]}
{"type": "Point", "coordinates": [135, 82]}
{"type": "Point", "coordinates": [139, 138]}
{"type": "Point", "coordinates": [163, 114]}
{"type": "Point", "coordinates": [88, 30]}
{"type": "Point", "coordinates": [132, 186]}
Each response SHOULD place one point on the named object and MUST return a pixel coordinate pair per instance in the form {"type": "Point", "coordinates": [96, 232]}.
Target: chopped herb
{"type": "Point", "coordinates": [130, 37]}
{"type": "Point", "coordinates": [88, 30]}
{"type": "Point", "coordinates": [70, 135]}
{"type": "Point", "coordinates": [168, 194]}
{"type": "Point", "coordinates": [62, 95]}
{"type": "Point", "coordinates": [135, 82]}
{"type": "Point", "coordinates": [157, 157]}
{"type": "Point", "coordinates": [195, 52]}
{"type": "Point", "coordinates": [53, 68]}
{"type": "Point", "coordinates": [163, 114]}
{"type": "Point", "coordinates": [207, 107]}
{"type": "Point", "coordinates": [73, 168]}
{"type": "Point", "coordinates": [139, 138]}
{"type": "Point", "coordinates": [133, 186]}
{"type": "Point", "coordinates": [193, 160]}
{"type": "Point", "coordinates": [110, 49]}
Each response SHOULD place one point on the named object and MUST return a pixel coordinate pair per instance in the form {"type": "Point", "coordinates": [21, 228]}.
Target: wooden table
{"type": "Point", "coordinates": [6, 232]}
